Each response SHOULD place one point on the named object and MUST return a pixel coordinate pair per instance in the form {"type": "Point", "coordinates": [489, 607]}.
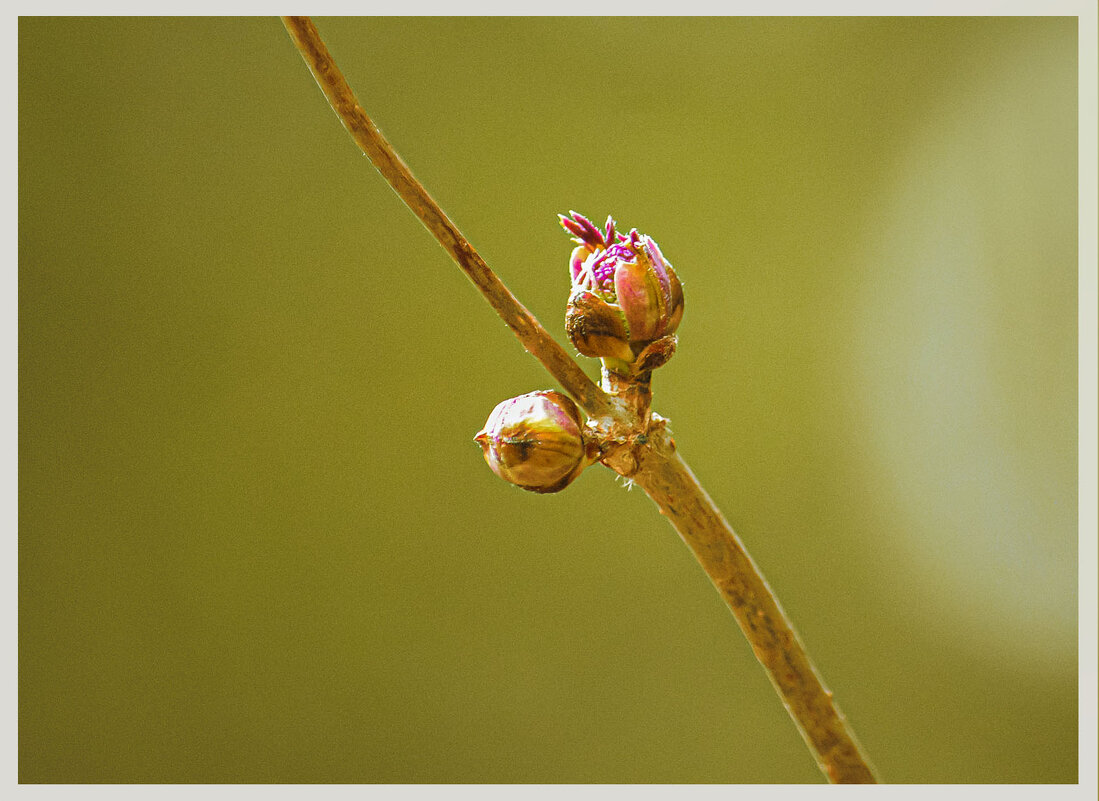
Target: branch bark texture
{"type": "Point", "coordinates": [658, 469]}
{"type": "Point", "coordinates": [635, 444]}
{"type": "Point", "coordinates": [526, 327]}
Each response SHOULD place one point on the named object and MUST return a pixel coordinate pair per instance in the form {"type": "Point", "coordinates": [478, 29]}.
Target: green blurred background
{"type": "Point", "coordinates": [256, 541]}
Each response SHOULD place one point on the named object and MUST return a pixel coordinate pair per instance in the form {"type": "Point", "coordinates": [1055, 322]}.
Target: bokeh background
{"type": "Point", "coordinates": [257, 542]}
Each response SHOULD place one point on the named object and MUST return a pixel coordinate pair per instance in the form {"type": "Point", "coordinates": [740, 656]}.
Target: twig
{"type": "Point", "coordinates": [530, 332]}
{"type": "Point", "coordinates": [668, 480]}
{"type": "Point", "coordinates": [637, 446]}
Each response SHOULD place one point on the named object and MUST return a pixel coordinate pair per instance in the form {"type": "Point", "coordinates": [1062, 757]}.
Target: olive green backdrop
{"type": "Point", "coordinates": [257, 542]}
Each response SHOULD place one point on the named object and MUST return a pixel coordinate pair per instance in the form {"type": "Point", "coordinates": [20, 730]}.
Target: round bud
{"type": "Point", "coordinates": [535, 441]}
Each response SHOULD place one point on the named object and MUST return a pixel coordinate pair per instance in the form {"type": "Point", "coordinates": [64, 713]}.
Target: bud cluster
{"type": "Point", "coordinates": [625, 305]}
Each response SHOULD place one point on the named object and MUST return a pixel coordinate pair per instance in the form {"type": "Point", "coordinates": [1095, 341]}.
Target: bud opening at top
{"type": "Point", "coordinates": [625, 294]}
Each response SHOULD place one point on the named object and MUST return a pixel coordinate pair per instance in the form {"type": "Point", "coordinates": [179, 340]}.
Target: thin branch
{"type": "Point", "coordinates": [530, 332]}
{"type": "Point", "coordinates": [649, 460]}
{"type": "Point", "coordinates": [666, 478]}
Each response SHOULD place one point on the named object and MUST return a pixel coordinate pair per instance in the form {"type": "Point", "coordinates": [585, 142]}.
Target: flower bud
{"type": "Point", "coordinates": [535, 441]}
{"type": "Point", "coordinates": [625, 294]}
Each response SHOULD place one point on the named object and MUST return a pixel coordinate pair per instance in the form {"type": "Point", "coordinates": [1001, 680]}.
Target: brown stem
{"type": "Point", "coordinates": [636, 392]}
{"type": "Point", "coordinates": [658, 469]}
{"type": "Point", "coordinates": [638, 448]}
{"type": "Point", "coordinates": [526, 327]}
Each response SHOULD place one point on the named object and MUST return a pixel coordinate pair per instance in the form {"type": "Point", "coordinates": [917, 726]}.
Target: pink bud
{"type": "Point", "coordinates": [625, 295]}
